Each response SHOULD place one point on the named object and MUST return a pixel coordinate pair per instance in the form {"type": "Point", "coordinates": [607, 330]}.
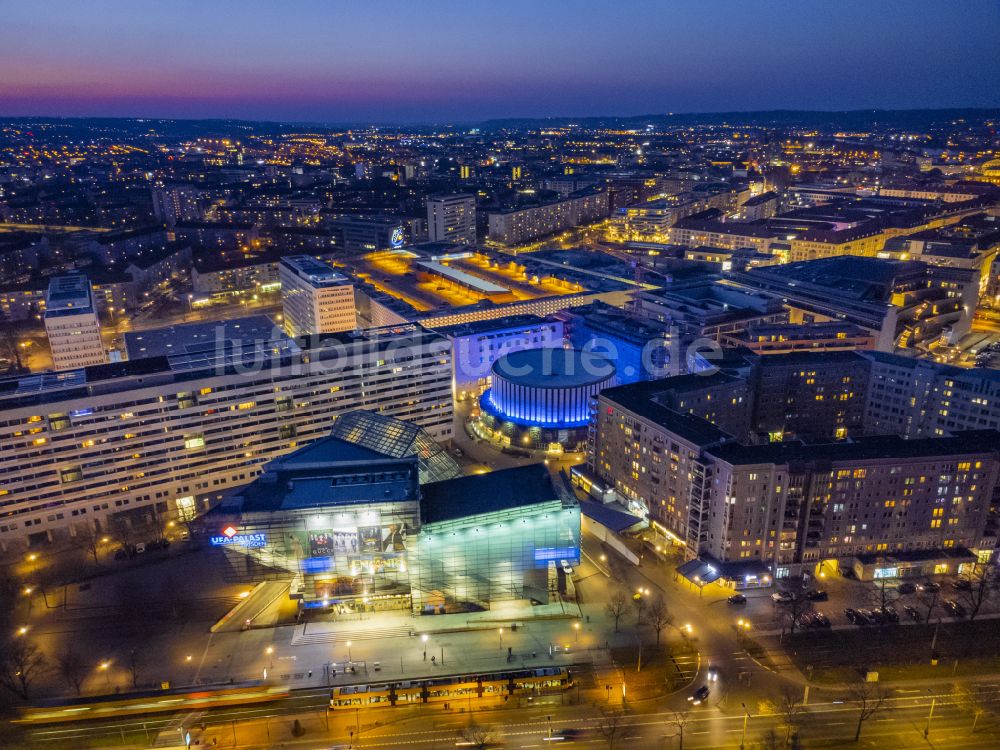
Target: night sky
{"type": "Point", "coordinates": [429, 61]}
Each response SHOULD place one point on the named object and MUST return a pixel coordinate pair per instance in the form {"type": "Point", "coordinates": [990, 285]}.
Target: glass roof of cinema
{"type": "Point", "coordinates": [396, 438]}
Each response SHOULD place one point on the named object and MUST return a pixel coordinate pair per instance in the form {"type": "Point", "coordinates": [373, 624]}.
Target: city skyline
{"type": "Point", "coordinates": [407, 64]}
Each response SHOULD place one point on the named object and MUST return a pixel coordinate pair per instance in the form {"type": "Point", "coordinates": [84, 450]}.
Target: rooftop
{"type": "Point", "coordinates": [861, 449]}
{"type": "Point", "coordinates": [194, 338]}
{"type": "Point", "coordinates": [553, 368]}
{"type": "Point", "coordinates": [507, 489]}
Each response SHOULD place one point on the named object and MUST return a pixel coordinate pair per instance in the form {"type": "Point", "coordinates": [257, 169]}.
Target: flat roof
{"type": "Point", "coordinates": [312, 270]}
{"type": "Point", "coordinates": [507, 489]}
{"type": "Point", "coordinates": [191, 338]}
{"type": "Point", "coordinates": [553, 368]}
{"type": "Point", "coordinates": [860, 449]}
{"type": "Point", "coordinates": [638, 399]}
{"type": "Point", "coordinates": [461, 277]}
{"type": "Point", "coordinates": [68, 295]}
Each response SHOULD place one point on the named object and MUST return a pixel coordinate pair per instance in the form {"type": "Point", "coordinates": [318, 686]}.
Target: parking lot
{"type": "Point", "coordinates": [922, 604]}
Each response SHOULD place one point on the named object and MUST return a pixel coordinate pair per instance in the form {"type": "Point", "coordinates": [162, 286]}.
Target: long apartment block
{"type": "Point", "coordinates": [175, 432]}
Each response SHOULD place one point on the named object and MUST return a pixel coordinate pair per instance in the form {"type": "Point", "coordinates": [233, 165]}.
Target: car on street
{"type": "Point", "coordinates": [906, 588]}
{"type": "Point", "coordinates": [817, 595]}
{"type": "Point", "coordinates": [737, 599]}
{"type": "Point", "coordinates": [782, 597]}
{"type": "Point", "coordinates": [913, 613]}
{"type": "Point", "coordinates": [700, 695]}
{"type": "Point", "coordinates": [962, 584]}
{"type": "Point", "coordinates": [953, 608]}
{"type": "Point", "coordinates": [931, 586]}
{"type": "Point", "coordinates": [713, 674]}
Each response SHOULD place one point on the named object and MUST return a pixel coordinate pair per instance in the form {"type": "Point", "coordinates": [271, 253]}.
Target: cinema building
{"type": "Point", "coordinates": [378, 516]}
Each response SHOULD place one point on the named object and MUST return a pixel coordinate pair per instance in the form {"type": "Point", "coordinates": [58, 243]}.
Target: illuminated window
{"type": "Point", "coordinates": [194, 442]}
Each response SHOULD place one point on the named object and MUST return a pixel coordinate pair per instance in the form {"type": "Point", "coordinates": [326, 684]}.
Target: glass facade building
{"type": "Point", "coordinates": [492, 557]}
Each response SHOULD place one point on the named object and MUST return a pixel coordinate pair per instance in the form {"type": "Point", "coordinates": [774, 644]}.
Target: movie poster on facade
{"type": "Point", "coordinates": [320, 544]}
{"type": "Point", "coordinates": [370, 538]}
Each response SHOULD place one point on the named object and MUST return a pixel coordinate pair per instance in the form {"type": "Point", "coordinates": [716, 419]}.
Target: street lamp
{"type": "Point", "coordinates": [104, 666]}
{"type": "Point", "coordinates": [930, 715]}
{"type": "Point", "coordinates": [576, 627]}
{"type": "Point", "coordinates": [350, 659]}
{"type": "Point", "coordinates": [746, 716]}
{"type": "Point", "coordinates": [270, 652]}
{"type": "Point", "coordinates": [424, 639]}
{"type": "Point", "coordinates": [500, 631]}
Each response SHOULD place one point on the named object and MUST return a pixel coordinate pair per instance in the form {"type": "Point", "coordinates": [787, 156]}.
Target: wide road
{"type": "Point", "coordinates": [828, 717]}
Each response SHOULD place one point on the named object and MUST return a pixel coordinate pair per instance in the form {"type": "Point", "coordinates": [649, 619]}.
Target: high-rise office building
{"type": "Point", "coordinates": [315, 298]}
{"type": "Point", "coordinates": [452, 218]}
{"type": "Point", "coordinates": [71, 323]}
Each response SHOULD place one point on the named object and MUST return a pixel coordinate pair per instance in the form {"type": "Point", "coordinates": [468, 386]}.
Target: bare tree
{"type": "Point", "coordinates": [10, 344]}
{"type": "Point", "coordinates": [869, 698]}
{"type": "Point", "coordinates": [616, 606]}
{"type": "Point", "coordinates": [72, 668]}
{"type": "Point", "coordinates": [639, 604]}
{"type": "Point", "coordinates": [789, 711]}
{"type": "Point", "coordinates": [658, 617]}
{"type": "Point", "coordinates": [882, 597]}
{"type": "Point", "coordinates": [976, 700]}
{"type": "Point", "coordinates": [134, 663]}
{"type": "Point", "coordinates": [611, 727]}
{"type": "Point", "coordinates": [984, 581]}
{"type": "Point", "coordinates": [21, 664]}
{"type": "Point", "coordinates": [768, 741]}
{"type": "Point", "coordinates": [929, 600]}
{"type": "Point", "coordinates": [477, 735]}
{"type": "Point", "coordinates": [679, 720]}
{"type": "Point", "coordinates": [793, 610]}
{"type": "Point", "coordinates": [89, 541]}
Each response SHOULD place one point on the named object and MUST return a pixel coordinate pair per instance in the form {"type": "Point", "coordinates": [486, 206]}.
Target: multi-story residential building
{"type": "Point", "coordinates": [452, 218]}
{"type": "Point", "coordinates": [172, 433]}
{"type": "Point", "coordinates": [176, 203]}
{"type": "Point", "coordinates": [521, 225]}
{"type": "Point", "coordinates": [314, 298]}
{"type": "Point", "coordinates": [790, 506]}
{"type": "Point", "coordinates": [71, 323]}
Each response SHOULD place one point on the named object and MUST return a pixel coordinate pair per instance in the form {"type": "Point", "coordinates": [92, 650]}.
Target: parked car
{"type": "Point", "coordinates": [931, 586]}
{"type": "Point", "coordinates": [953, 608]}
{"type": "Point", "coordinates": [867, 616]}
{"type": "Point", "coordinates": [853, 616]}
{"type": "Point", "coordinates": [906, 588]}
{"type": "Point", "coordinates": [913, 613]}
{"type": "Point", "coordinates": [782, 597]}
{"type": "Point", "coordinates": [140, 548]}
{"type": "Point", "coordinates": [700, 695]}
{"type": "Point", "coordinates": [817, 596]}
{"type": "Point", "coordinates": [737, 599]}
{"type": "Point", "coordinates": [888, 614]}
{"type": "Point", "coordinates": [121, 554]}
{"type": "Point", "coordinates": [820, 620]}
{"type": "Point", "coordinates": [962, 584]}
{"type": "Point", "coordinates": [158, 544]}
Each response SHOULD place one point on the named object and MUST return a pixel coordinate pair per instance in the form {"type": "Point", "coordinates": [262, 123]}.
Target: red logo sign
{"type": "Point", "coordinates": [229, 531]}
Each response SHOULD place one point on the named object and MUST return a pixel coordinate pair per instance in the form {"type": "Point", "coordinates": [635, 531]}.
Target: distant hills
{"type": "Point", "coordinates": [860, 119]}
